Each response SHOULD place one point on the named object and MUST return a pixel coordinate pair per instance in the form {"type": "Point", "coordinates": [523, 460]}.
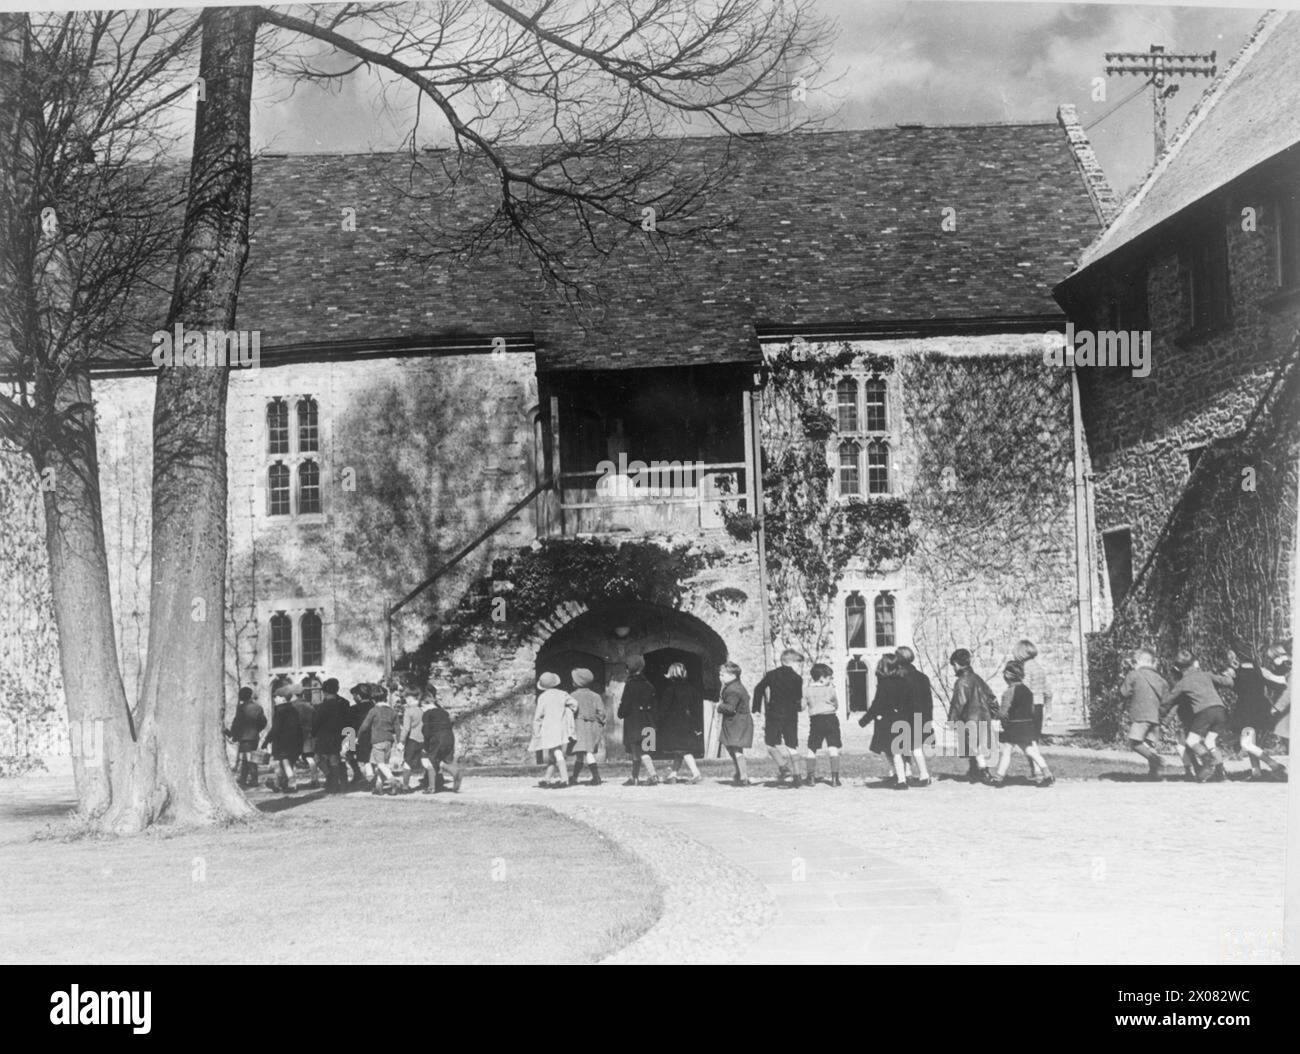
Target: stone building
{"type": "Point", "coordinates": [1193, 485]}
{"type": "Point", "coordinates": [405, 407]}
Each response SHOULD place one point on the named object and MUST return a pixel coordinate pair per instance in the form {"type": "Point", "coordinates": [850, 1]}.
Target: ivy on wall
{"type": "Point", "coordinates": [1221, 578]}
{"type": "Point", "coordinates": [811, 538]}
{"type": "Point", "coordinates": [527, 587]}
{"type": "Point", "coordinates": [990, 482]}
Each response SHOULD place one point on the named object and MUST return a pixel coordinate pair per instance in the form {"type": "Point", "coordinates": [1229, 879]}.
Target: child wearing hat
{"type": "Point", "coordinates": [1019, 728]}
{"type": "Point", "coordinates": [327, 728]}
{"type": "Point", "coordinates": [551, 723]}
{"type": "Point", "coordinates": [589, 726]}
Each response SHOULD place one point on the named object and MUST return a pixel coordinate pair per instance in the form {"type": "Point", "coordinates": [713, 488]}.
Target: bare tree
{"type": "Point", "coordinates": [584, 81]}
{"type": "Point", "coordinates": [84, 214]}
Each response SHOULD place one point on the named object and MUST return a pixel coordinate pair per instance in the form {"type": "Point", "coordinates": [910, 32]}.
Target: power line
{"type": "Point", "coordinates": [1128, 98]}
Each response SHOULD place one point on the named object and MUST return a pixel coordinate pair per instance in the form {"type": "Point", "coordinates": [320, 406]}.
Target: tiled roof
{"type": "Point", "coordinates": [1250, 113]}
{"type": "Point", "coordinates": [827, 228]}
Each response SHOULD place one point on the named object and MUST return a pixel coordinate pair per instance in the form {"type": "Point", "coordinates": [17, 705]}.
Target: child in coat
{"type": "Point", "coordinates": [588, 726]}
{"type": "Point", "coordinates": [737, 722]}
{"type": "Point", "coordinates": [1253, 715]}
{"type": "Point", "coordinates": [1143, 688]}
{"type": "Point", "coordinates": [1019, 728]}
{"type": "Point", "coordinates": [1208, 718]}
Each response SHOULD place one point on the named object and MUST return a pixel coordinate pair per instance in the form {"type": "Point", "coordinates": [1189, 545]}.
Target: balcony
{"type": "Point", "coordinates": [647, 451]}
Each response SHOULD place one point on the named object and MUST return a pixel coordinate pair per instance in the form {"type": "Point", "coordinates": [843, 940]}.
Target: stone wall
{"type": "Point", "coordinates": [416, 457]}
{"type": "Point", "coordinates": [982, 440]}
{"type": "Point", "coordinates": [1202, 390]}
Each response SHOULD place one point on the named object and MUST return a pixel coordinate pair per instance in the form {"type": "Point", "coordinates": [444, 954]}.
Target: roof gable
{"type": "Point", "coordinates": [1249, 114]}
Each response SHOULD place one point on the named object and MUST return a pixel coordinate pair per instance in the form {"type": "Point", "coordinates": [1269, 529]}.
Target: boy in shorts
{"type": "Point", "coordinates": [382, 725]}
{"type": "Point", "coordinates": [1144, 688]}
{"type": "Point", "coordinates": [1208, 718]}
{"type": "Point", "coordinates": [782, 689]}
{"type": "Point", "coordinates": [823, 722]}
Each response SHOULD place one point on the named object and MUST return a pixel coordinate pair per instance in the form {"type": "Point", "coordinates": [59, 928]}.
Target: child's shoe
{"type": "Point", "coordinates": [925, 782]}
{"type": "Point", "coordinates": [835, 779]}
{"type": "Point", "coordinates": [1046, 781]}
{"type": "Point", "coordinates": [997, 781]}
{"type": "Point", "coordinates": [630, 782]}
{"type": "Point", "coordinates": [901, 785]}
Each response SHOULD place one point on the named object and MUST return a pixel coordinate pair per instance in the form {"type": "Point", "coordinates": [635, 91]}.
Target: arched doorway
{"type": "Point", "coordinates": [604, 637]}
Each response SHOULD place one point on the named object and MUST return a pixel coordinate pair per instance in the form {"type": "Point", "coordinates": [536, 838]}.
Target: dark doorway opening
{"type": "Point", "coordinates": [678, 733]}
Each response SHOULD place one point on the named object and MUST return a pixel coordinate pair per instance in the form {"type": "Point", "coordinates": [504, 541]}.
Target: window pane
{"type": "Point", "coordinates": [313, 646]}
{"type": "Point", "coordinates": [308, 487]}
{"type": "Point", "coordinates": [277, 427]}
{"type": "Point", "coordinates": [857, 686]}
{"type": "Point", "coordinates": [846, 400]}
{"type": "Point", "coordinates": [281, 641]}
{"type": "Point", "coordinates": [850, 483]}
{"type": "Point", "coordinates": [277, 489]}
{"type": "Point", "coordinates": [308, 425]}
{"type": "Point", "coordinates": [878, 467]}
{"type": "Point", "coordinates": [885, 630]}
{"type": "Point", "coordinates": [855, 621]}
{"type": "Point", "coordinates": [877, 415]}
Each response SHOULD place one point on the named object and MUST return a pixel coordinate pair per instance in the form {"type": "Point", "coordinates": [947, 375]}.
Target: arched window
{"type": "Point", "coordinates": [277, 489]}
{"type": "Point", "coordinates": [308, 487]}
{"type": "Point", "coordinates": [850, 471]}
{"type": "Point", "coordinates": [877, 411]}
{"type": "Point", "coordinates": [313, 641]}
{"type": "Point", "coordinates": [857, 686]}
{"type": "Point", "coordinates": [281, 641]}
{"type": "Point", "coordinates": [886, 626]}
{"type": "Point", "coordinates": [277, 427]}
{"type": "Point", "coordinates": [877, 467]}
{"type": "Point", "coordinates": [855, 620]}
{"type": "Point", "coordinates": [846, 405]}
{"type": "Point", "coordinates": [308, 425]}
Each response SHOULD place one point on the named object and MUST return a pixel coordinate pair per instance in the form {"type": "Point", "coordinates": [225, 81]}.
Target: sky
{"type": "Point", "coordinates": [894, 62]}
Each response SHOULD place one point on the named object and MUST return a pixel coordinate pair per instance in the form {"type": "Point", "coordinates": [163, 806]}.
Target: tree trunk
{"type": "Point", "coordinates": [180, 772]}
{"type": "Point", "coordinates": [62, 447]}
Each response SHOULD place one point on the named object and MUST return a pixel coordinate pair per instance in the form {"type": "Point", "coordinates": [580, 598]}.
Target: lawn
{"type": "Point", "coordinates": [344, 879]}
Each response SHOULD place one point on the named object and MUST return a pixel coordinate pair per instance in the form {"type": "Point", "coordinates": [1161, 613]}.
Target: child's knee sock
{"type": "Point", "coordinates": [636, 768]}
{"type": "Point", "coordinates": [577, 768]}
{"type": "Point", "coordinates": [810, 766]}
{"type": "Point", "coordinates": [835, 764]}
{"type": "Point", "coordinates": [1139, 747]}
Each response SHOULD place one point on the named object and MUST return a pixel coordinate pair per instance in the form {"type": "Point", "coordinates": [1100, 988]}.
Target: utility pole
{"type": "Point", "coordinates": [1159, 66]}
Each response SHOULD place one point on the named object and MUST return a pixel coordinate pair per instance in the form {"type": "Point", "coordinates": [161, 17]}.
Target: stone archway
{"type": "Point", "coordinates": [612, 632]}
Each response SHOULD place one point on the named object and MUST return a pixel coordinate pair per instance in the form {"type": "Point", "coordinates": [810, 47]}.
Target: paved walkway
{"type": "Point", "coordinates": [1088, 871]}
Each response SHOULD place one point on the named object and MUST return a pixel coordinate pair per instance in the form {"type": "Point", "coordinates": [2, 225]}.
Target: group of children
{"type": "Point", "coordinates": [1203, 714]}
{"type": "Point", "coordinates": [314, 726]}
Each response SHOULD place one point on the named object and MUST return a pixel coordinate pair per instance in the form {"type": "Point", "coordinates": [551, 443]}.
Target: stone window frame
{"type": "Point", "coordinates": [866, 438]}
{"type": "Point", "coordinates": [869, 590]}
{"type": "Point", "coordinates": [296, 455]}
{"type": "Point", "coordinates": [296, 609]}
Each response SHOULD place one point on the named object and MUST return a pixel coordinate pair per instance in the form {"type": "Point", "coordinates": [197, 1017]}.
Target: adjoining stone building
{"type": "Point", "coordinates": [403, 409]}
{"type": "Point", "coordinates": [1193, 486]}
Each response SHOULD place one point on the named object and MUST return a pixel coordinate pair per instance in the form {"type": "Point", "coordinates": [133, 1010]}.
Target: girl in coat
{"type": "Point", "coordinates": [1019, 728]}
{"type": "Point", "coordinates": [891, 706]}
{"type": "Point", "coordinates": [551, 724]}
{"type": "Point", "coordinates": [1035, 679]}
{"type": "Point", "coordinates": [680, 707]}
{"type": "Point", "coordinates": [589, 727]}
{"type": "Point", "coordinates": [285, 738]}
{"type": "Point", "coordinates": [636, 709]}
{"type": "Point", "coordinates": [737, 721]}
{"type": "Point", "coordinates": [245, 729]}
